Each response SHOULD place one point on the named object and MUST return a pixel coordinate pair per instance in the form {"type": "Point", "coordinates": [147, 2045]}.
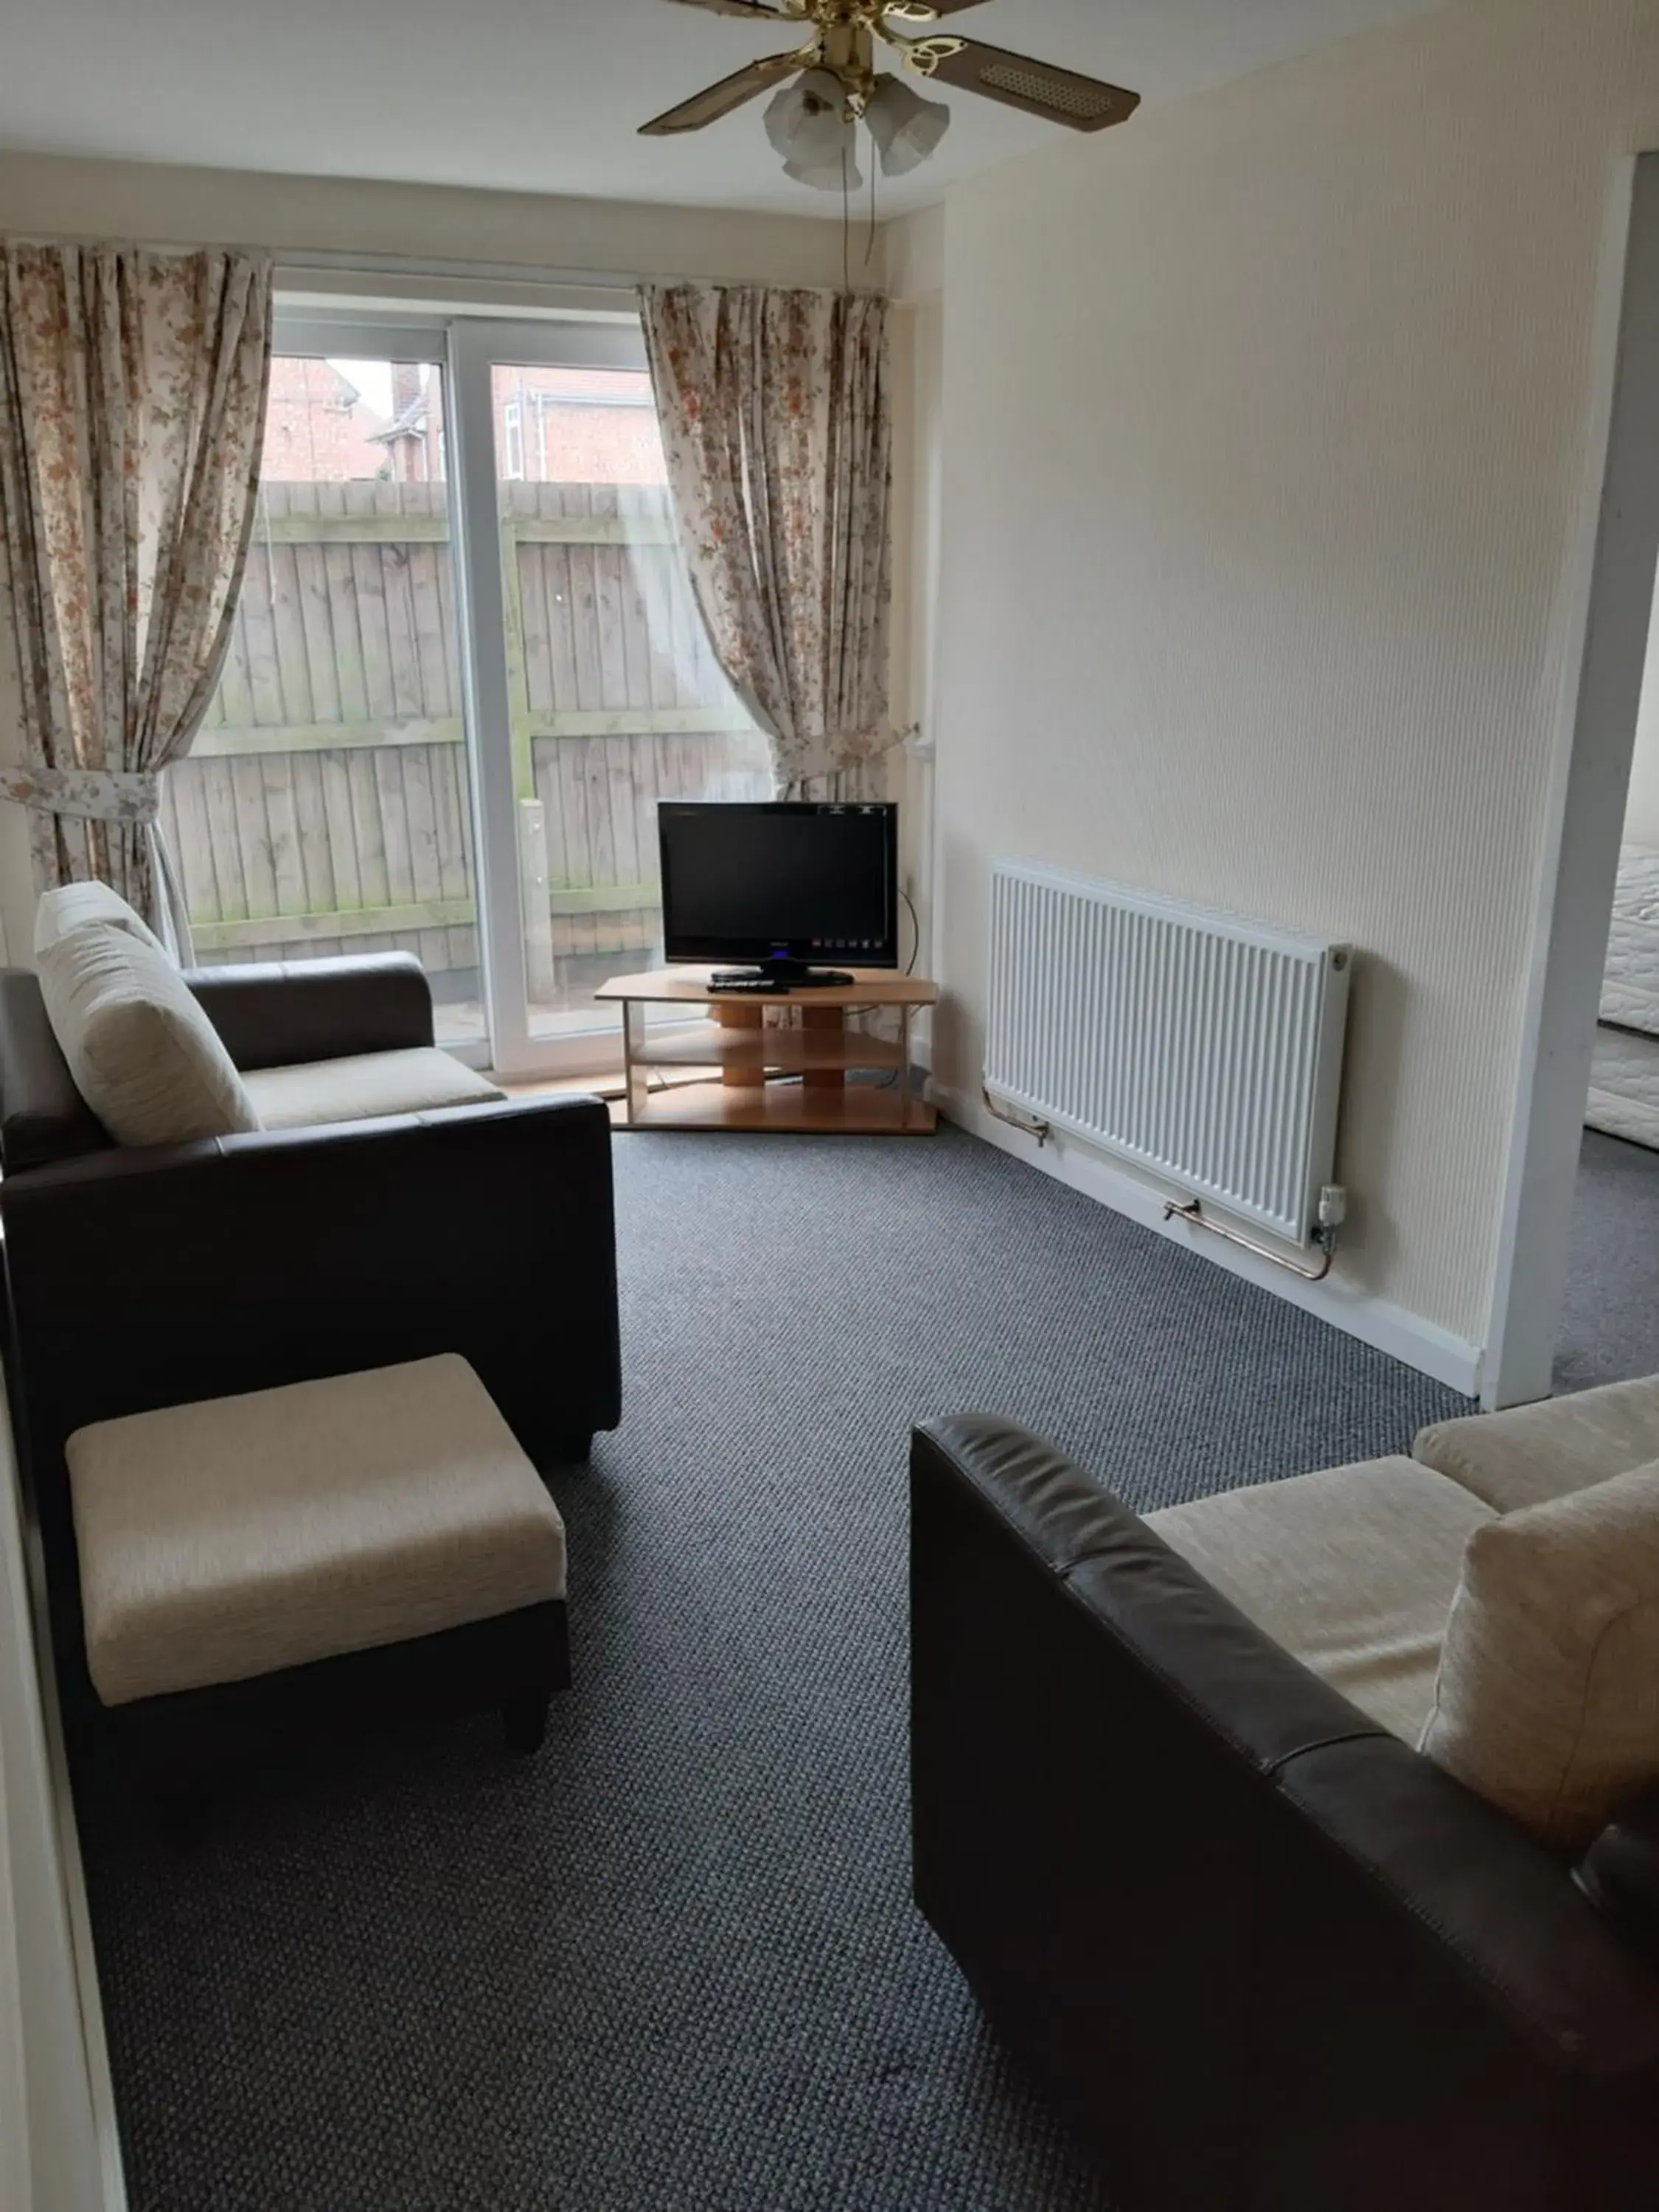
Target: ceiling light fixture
{"type": "Point", "coordinates": [832, 85]}
{"type": "Point", "coordinates": [906, 128]}
{"type": "Point", "coordinates": [811, 124]}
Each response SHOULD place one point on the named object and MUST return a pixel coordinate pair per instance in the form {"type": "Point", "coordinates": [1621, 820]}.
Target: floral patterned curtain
{"type": "Point", "coordinates": [133, 404]}
{"type": "Point", "coordinates": [776, 421]}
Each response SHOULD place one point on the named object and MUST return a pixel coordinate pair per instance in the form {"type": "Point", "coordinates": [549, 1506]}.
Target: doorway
{"type": "Point", "coordinates": [466, 665]}
{"type": "Point", "coordinates": [1609, 1326]}
{"type": "Point", "coordinates": [1612, 619]}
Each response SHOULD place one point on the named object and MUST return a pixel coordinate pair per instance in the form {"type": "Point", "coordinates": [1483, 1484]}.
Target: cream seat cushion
{"type": "Point", "coordinates": [228, 1539]}
{"type": "Point", "coordinates": [143, 1055]}
{"type": "Point", "coordinates": [73, 905]}
{"type": "Point", "coordinates": [362, 1085]}
{"type": "Point", "coordinates": [1353, 1571]}
{"type": "Point", "coordinates": [1533, 1453]}
{"type": "Point", "coordinates": [1548, 1697]}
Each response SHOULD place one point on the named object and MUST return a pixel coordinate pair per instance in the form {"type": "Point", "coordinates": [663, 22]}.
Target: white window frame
{"type": "Point", "coordinates": [592, 1043]}
{"type": "Point", "coordinates": [512, 441]}
{"type": "Point", "coordinates": [469, 348]}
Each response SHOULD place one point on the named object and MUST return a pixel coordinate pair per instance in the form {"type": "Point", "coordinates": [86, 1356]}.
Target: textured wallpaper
{"type": "Point", "coordinates": [1266, 430]}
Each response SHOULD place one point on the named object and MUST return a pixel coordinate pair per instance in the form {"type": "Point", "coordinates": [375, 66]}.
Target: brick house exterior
{"type": "Point", "coordinates": [319, 429]}
{"type": "Point", "coordinates": [577, 426]}
{"type": "Point", "coordinates": [552, 426]}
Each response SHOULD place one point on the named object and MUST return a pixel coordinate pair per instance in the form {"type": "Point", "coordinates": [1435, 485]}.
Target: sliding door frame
{"type": "Point", "coordinates": [396, 337]}
{"type": "Point", "coordinates": [476, 348]}
{"type": "Point", "coordinates": [468, 348]}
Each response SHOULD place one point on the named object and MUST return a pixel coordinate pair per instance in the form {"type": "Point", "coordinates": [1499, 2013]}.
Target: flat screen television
{"type": "Point", "coordinates": [781, 887]}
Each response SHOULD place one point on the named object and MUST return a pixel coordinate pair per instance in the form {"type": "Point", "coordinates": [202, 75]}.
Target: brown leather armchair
{"type": "Point", "coordinates": [1266, 1957]}
{"type": "Point", "coordinates": [152, 1276]}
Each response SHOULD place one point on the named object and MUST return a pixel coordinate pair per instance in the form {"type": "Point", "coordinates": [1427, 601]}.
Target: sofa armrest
{"type": "Point", "coordinates": [1172, 1861]}
{"type": "Point", "coordinates": [286, 1013]}
{"type": "Point", "coordinates": [155, 1277]}
{"type": "Point", "coordinates": [236, 1262]}
{"type": "Point", "coordinates": [1619, 1874]}
{"type": "Point", "coordinates": [43, 1116]}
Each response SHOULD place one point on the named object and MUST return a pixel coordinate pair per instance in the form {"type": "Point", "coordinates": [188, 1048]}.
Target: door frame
{"type": "Point", "coordinates": [475, 346]}
{"type": "Point", "coordinates": [1603, 622]}
{"type": "Point", "coordinates": [467, 348]}
{"type": "Point", "coordinates": [354, 334]}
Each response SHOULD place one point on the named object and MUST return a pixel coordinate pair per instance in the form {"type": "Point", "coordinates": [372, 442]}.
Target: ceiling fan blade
{"type": "Point", "coordinates": [1059, 96]}
{"type": "Point", "coordinates": [921, 11]}
{"type": "Point", "coordinates": [756, 10]}
{"type": "Point", "coordinates": [731, 91]}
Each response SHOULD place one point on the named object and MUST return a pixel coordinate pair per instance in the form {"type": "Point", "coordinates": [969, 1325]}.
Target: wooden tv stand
{"type": "Point", "coordinates": [733, 1069]}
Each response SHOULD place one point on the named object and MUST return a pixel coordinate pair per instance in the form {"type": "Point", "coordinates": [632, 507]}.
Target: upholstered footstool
{"type": "Point", "coordinates": [311, 1556]}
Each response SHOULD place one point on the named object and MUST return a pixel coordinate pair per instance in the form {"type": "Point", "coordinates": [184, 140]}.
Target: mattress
{"type": "Point", "coordinates": [1630, 985]}
{"type": "Point", "coordinates": [1624, 1095]}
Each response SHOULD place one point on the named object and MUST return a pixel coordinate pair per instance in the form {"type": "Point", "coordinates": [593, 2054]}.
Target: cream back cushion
{"type": "Point", "coordinates": [1547, 1701]}
{"type": "Point", "coordinates": [73, 905]}
{"type": "Point", "coordinates": [145, 1056]}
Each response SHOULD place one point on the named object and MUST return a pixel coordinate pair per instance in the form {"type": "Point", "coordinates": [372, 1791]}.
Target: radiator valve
{"type": "Point", "coordinates": [1332, 1212]}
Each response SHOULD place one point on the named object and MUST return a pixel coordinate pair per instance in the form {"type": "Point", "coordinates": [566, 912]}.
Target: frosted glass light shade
{"type": "Point", "coordinates": [808, 122]}
{"type": "Point", "coordinates": [906, 128]}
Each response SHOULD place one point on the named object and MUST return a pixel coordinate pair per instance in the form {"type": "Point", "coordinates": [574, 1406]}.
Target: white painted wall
{"type": "Point", "coordinates": [915, 269]}
{"type": "Point", "coordinates": [51, 195]}
{"type": "Point", "coordinates": [1266, 422]}
{"type": "Point", "coordinates": [1642, 805]}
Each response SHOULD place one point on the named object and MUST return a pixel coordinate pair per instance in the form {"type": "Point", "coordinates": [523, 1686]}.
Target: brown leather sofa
{"type": "Point", "coordinates": [1265, 1956]}
{"type": "Point", "coordinates": [147, 1277]}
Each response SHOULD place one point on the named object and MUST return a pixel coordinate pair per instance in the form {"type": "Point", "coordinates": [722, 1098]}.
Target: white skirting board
{"type": "Point", "coordinates": [59, 2149]}
{"type": "Point", "coordinates": [109, 2183]}
{"type": "Point", "coordinates": [1404, 1336]}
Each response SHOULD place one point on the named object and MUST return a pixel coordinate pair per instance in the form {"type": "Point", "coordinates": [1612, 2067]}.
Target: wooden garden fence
{"type": "Point", "coordinates": [324, 806]}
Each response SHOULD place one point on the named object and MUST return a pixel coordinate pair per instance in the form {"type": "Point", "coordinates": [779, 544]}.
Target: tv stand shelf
{"type": "Point", "coordinates": [779, 1060]}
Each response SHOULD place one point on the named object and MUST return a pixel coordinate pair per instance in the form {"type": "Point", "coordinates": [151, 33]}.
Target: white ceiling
{"type": "Point", "coordinates": [545, 95]}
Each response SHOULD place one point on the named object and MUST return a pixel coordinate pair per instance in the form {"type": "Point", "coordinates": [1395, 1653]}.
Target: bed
{"type": "Point", "coordinates": [1624, 1095]}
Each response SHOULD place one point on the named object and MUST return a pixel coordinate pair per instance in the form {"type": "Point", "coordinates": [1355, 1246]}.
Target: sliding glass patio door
{"type": "Point", "coordinates": [326, 805]}
{"type": "Point", "coordinates": [466, 666]}
{"type": "Point", "coordinates": [597, 694]}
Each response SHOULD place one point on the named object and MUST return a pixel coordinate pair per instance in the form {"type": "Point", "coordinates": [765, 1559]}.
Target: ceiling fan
{"type": "Point", "coordinates": [813, 121]}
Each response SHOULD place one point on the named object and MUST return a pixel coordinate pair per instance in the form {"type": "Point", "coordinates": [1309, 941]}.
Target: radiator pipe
{"type": "Point", "coordinates": [1192, 1212]}
{"type": "Point", "coordinates": [1027, 1124]}
{"type": "Point", "coordinates": [1324, 1237]}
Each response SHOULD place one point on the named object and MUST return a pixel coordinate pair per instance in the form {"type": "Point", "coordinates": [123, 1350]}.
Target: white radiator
{"type": "Point", "coordinates": [1205, 1048]}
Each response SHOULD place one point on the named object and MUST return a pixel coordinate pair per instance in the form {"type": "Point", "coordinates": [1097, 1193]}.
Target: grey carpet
{"type": "Point", "coordinates": [1610, 1316]}
{"type": "Point", "coordinates": [671, 1962]}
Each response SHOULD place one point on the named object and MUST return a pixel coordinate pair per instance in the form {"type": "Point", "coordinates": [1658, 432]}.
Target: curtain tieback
{"type": "Point", "coordinates": [88, 794]}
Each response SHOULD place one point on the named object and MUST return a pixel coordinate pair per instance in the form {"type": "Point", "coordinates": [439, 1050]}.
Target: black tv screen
{"type": "Point", "coordinates": [780, 881]}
